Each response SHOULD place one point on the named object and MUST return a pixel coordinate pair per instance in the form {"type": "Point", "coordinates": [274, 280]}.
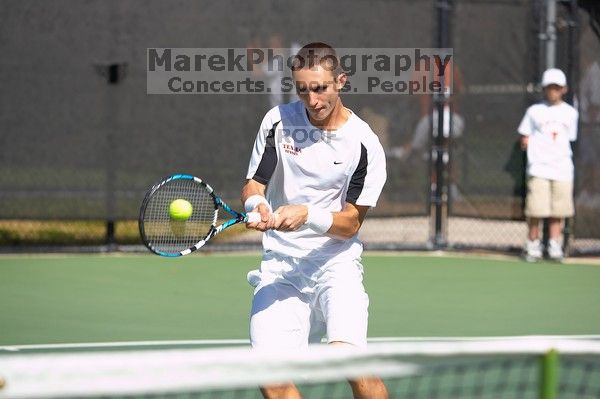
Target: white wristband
{"type": "Point", "coordinates": [319, 220]}
{"type": "Point", "coordinates": [254, 200]}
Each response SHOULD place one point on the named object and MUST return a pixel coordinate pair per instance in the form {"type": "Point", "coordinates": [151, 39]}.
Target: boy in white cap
{"type": "Point", "coordinates": [546, 132]}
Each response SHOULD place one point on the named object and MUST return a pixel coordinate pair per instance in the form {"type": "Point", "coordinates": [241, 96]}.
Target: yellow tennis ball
{"type": "Point", "coordinates": [180, 209]}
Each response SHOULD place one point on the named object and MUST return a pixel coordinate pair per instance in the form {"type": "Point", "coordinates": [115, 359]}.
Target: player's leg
{"type": "Point", "coordinates": [562, 207]}
{"type": "Point", "coordinates": [537, 206]}
{"type": "Point", "coordinates": [344, 303]}
{"type": "Point", "coordinates": [288, 391]}
{"type": "Point", "coordinates": [555, 251]}
{"type": "Point", "coordinates": [554, 227]}
{"type": "Point", "coordinates": [533, 246]}
{"type": "Point", "coordinates": [365, 387]}
{"type": "Point", "coordinates": [279, 320]}
{"type": "Point", "coordinates": [276, 322]}
{"type": "Point", "coordinates": [369, 388]}
{"type": "Point", "coordinates": [533, 226]}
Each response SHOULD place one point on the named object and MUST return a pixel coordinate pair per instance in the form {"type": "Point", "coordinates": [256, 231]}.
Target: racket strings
{"type": "Point", "coordinates": [168, 235]}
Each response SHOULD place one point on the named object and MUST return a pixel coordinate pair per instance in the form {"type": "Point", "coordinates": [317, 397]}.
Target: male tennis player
{"type": "Point", "coordinates": [320, 168]}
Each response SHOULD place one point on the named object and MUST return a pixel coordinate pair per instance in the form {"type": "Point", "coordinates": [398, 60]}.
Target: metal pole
{"type": "Point", "coordinates": [550, 38]}
{"type": "Point", "coordinates": [572, 72]}
{"type": "Point", "coordinates": [439, 150]}
{"type": "Point", "coordinates": [550, 33]}
{"type": "Point", "coordinates": [115, 74]}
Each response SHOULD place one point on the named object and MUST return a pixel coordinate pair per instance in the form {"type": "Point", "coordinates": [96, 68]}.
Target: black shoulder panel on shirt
{"type": "Point", "coordinates": [269, 159]}
{"type": "Point", "coordinates": [357, 182]}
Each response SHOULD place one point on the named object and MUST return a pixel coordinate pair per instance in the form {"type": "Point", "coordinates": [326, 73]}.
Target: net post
{"type": "Point", "coordinates": [549, 375]}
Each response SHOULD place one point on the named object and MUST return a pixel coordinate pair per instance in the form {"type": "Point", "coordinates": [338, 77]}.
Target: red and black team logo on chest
{"type": "Point", "coordinates": [291, 149]}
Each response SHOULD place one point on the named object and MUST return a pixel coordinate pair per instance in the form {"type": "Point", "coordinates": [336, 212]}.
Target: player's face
{"type": "Point", "coordinates": [318, 90]}
{"type": "Point", "coordinates": [554, 93]}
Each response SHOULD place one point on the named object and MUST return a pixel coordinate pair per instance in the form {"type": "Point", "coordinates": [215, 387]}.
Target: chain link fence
{"type": "Point", "coordinates": [81, 140]}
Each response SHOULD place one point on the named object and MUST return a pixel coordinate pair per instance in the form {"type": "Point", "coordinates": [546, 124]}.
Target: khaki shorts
{"type": "Point", "coordinates": [549, 198]}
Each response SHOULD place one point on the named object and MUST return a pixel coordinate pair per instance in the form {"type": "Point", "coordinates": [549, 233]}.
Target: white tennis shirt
{"type": "Point", "coordinates": [302, 164]}
{"type": "Point", "coordinates": [550, 129]}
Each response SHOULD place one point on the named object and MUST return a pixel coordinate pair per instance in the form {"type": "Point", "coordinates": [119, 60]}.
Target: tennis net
{"type": "Point", "coordinates": [524, 367]}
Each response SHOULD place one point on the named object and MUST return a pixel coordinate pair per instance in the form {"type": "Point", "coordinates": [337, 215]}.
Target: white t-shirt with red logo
{"type": "Point", "coordinates": [550, 128]}
{"type": "Point", "coordinates": [302, 164]}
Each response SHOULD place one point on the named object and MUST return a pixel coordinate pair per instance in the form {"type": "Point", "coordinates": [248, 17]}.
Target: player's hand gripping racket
{"type": "Point", "coordinates": [180, 213]}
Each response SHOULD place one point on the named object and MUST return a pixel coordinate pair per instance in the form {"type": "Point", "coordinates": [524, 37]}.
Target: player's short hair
{"type": "Point", "coordinates": [317, 54]}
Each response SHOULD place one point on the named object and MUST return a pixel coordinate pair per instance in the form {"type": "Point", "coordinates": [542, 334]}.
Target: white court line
{"type": "Point", "coordinates": [467, 254]}
{"type": "Point", "coordinates": [486, 338]}
{"type": "Point", "coordinates": [236, 342]}
{"type": "Point", "coordinates": [128, 344]}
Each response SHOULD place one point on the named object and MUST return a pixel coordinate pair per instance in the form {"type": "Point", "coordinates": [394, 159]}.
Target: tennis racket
{"type": "Point", "coordinates": [166, 236]}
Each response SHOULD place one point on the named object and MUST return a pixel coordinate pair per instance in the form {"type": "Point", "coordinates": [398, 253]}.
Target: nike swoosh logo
{"type": "Point", "coordinates": [336, 162]}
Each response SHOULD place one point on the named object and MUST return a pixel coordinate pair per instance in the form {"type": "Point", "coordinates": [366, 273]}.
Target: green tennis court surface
{"type": "Point", "coordinates": [94, 298]}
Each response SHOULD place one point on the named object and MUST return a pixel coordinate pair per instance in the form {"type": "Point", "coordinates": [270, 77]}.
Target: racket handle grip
{"type": "Point", "coordinates": [253, 217]}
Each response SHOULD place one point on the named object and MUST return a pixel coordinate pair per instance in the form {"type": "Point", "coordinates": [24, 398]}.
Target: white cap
{"type": "Point", "coordinates": [554, 76]}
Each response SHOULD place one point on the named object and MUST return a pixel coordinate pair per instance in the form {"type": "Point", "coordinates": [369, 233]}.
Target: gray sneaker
{"type": "Point", "coordinates": [555, 251]}
{"type": "Point", "coordinates": [533, 250]}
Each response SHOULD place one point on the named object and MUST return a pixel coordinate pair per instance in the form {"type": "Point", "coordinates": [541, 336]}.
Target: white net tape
{"type": "Point", "coordinates": [140, 372]}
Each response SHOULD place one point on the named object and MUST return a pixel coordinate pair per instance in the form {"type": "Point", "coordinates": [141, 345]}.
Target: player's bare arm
{"type": "Point", "coordinates": [524, 142]}
{"type": "Point", "coordinates": [346, 223]}
{"type": "Point", "coordinates": [252, 188]}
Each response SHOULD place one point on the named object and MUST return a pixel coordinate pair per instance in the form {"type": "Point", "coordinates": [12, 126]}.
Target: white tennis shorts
{"type": "Point", "coordinates": [297, 302]}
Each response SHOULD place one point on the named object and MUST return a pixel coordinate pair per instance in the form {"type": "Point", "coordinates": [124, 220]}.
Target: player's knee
{"type": "Point", "coordinates": [341, 343]}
